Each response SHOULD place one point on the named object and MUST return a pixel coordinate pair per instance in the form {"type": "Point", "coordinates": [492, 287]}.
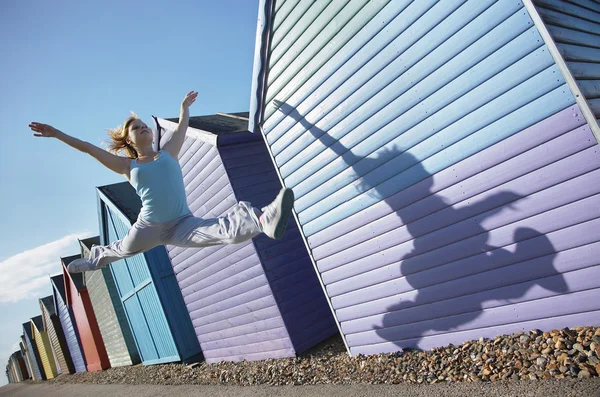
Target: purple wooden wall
{"type": "Point", "coordinates": [445, 183]}
{"type": "Point", "coordinates": [225, 289]}
{"type": "Point", "coordinates": [286, 262]}
{"type": "Point", "coordinates": [506, 240]}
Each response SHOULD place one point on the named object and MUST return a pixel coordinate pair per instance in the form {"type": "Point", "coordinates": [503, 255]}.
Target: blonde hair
{"type": "Point", "coordinates": [119, 138]}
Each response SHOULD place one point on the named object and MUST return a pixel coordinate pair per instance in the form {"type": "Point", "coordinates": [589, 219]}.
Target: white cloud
{"type": "Point", "coordinates": [23, 275]}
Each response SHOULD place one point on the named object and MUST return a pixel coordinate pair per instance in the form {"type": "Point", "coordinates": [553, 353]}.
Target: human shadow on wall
{"type": "Point", "coordinates": [443, 286]}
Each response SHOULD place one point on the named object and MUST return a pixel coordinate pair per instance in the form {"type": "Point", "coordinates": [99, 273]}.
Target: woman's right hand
{"type": "Point", "coordinates": [44, 130]}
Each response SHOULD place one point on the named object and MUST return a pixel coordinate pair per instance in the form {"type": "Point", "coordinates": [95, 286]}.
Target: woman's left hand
{"type": "Point", "coordinates": [189, 99]}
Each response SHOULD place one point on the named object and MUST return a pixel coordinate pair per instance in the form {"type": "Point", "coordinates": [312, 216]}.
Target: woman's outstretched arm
{"type": "Point", "coordinates": [118, 164]}
{"type": "Point", "coordinates": [173, 146]}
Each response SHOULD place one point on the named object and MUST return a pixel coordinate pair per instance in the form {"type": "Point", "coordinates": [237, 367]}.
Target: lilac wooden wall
{"type": "Point", "coordinates": [446, 182]}
{"type": "Point", "coordinates": [259, 299]}
{"type": "Point", "coordinates": [227, 294]}
{"type": "Point", "coordinates": [286, 263]}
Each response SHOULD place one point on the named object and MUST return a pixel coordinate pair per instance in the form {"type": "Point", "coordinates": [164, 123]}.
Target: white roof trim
{"type": "Point", "coordinates": [204, 136]}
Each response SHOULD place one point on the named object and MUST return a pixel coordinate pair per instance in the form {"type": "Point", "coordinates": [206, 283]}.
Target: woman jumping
{"type": "Point", "coordinates": [165, 217]}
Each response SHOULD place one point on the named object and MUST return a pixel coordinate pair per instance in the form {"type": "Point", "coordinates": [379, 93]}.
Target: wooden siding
{"type": "Point", "coordinates": [224, 287]}
{"type": "Point", "coordinates": [18, 366]}
{"type": "Point", "coordinates": [285, 262]}
{"type": "Point", "coordinates": [33, 354]}
{"type": "Point", "coordinates": [78, 301]}
{"type": "Point", "coordinates": [25, 358]}
{"type": "Point", "coordinates": [40, 336]}
{"type": "Point", "coordinates": [147, 288]}
{"type": "Point", "coordinates": [57, 338]}
{"type": "Point", "coordinates": [446, 182]}
{"type": "Point", "coordinates": [69, 327]}
{"type": "Point", "coordinates": [114, 328]}
{"type": "Point", "coordinates": [148, 322]}
{"type": "Point", "coordinates": [575, 28]}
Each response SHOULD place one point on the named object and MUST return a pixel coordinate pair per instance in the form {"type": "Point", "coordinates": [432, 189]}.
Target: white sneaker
{"type": "Point", "coordinates": [275, 215]}
{"type": "Point", "coordinates": [80, 265]}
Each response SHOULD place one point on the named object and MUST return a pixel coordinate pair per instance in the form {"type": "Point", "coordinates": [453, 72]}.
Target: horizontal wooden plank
{"type": "Point", "coordinates": [229, 332]}
{"type": "Point", "coordinates": [571, 9]}
{"type": "Point", "coordinates": [514, 145]}
{"type": "Point", "coordinates": [595, 105]}
{"type": "Point", "coordinates": [427, 75]}
{"type": "Point", "coordinates": [568, 21]}
{"type": "Point", "coordinates": [216, 206]}
{"type": "Point", "coordinates": [520, 177]}
{"type": "Point", "coordinates": [250, 348]}
{"type": "Point", "coordinates": [191, 147]}
{"type": "Point", "coordinates": [583, 70]}
{"type": "Point", "coordinates": [183, 259]}
{"type": "Point", "coordinates": [579, 54]}
{"type": "Point", "coordinates": [401, 66]}
{"type": "Point", "coordinates": [353, 18]}
{"type": "Point", "coordinates": [443, 246]}
{"type": "Point", "coordinates": [271, 354]}
{"type": "Point", "coordinates": [285, 18]}
{"type": "Point", "coordinates": [293, 93]}
{"type": "Point", "coordinates": [221, 192]}
{"type": "Point", "coordinates": [588, 4]}
{"type": "Point", "coordinates": [217, 264]}
{"type": "Point", "coordinates": [258, 310]}
{"type": "Point", "coordinates": [561, 305]}
{"type": "Point", "coordinates": [590, 88]}
{"type": "Point", "coordinates": [227, 281]}
{"type": "Point", "coordinates": [252, 338]}
{"type": "Point", "coordinates": [385, 66]}
{"type": "Point", "coordinates": [298, 37]}
{"type": "Point", "coordinates": [542, 107]}
{"type": "Point", "coordinates": [202, 195]}
{"type": "Point", "coordinates": [226, 298]}
{"type": "Point", "coordinates": [457, 338]}
{"type": "Point", "coordinates": [180, 255]}
{"type": "Point", "coordinates": [328, 18]}
{"type": "Point", "coordinates": [480, 107]}
{"type": "Point", "coordinates": [199, 255]}
{"type": "Point", "coordinates": [197, 183]}
{"type": "Point", "coordinates": [556, 274]}
{"type": "Point", "coordinates": [199, 160]}
{"type": "Point", "coordinates": [257, 179]}
{"type": "Point", "coordinates": [576, 37]}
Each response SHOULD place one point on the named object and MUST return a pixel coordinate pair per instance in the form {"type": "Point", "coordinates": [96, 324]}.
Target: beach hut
{"type": "Point", "coordinates": [10, 375]}
{"type": "Point", "coordinates": [109, 312]}
{"type": "Point", "coordinates": [78, 300]}
{"type": "Point", "coordinates": [13, 369]}
{"type": "Point", "coordinates": [55, 332]}
{"type": "Point", "coordinates": [42, 341]}
{"type": "Point", "coordinates": [19, 367]}
{"type": "Point", "coordinates": [25, 358]}
{"type": "Point", "coordinates": [147, 288]}
{"type": "Point", "coordinates": [259, 299]}
{"type": "Point", "coordinates": [33, 356]}
{"type": "Point", "coordinates": [444, 157]}
{"type": "Point", "coordinates": [67, 322]}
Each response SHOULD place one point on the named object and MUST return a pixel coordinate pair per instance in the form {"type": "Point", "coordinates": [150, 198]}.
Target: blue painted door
{"type": "Point", "coordinates": [140, 299]}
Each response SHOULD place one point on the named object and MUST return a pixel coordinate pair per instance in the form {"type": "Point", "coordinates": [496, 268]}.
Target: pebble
{"type": "Point", "coordinates": [533, 355]}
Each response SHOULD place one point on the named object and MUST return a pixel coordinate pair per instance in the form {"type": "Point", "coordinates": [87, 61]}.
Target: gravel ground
{"type": "Point", "coordinates": [544, 388]}
{"type": "Point", "coordinates": [535, 355]}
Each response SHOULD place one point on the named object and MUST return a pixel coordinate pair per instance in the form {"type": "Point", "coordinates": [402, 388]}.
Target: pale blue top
{"type": "Point", "coordinates": [160, 186]}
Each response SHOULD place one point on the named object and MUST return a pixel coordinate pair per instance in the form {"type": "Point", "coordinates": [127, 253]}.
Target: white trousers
{"type": "Point", "coordinates": [241, 223]}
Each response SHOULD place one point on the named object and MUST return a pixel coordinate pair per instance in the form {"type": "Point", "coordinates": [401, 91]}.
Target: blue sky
{"type": "Point", "coordinates": [81, 66]}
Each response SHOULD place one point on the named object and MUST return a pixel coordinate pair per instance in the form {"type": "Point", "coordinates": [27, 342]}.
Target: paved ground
{"type": "Point", "coordinates": [563, 388]}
